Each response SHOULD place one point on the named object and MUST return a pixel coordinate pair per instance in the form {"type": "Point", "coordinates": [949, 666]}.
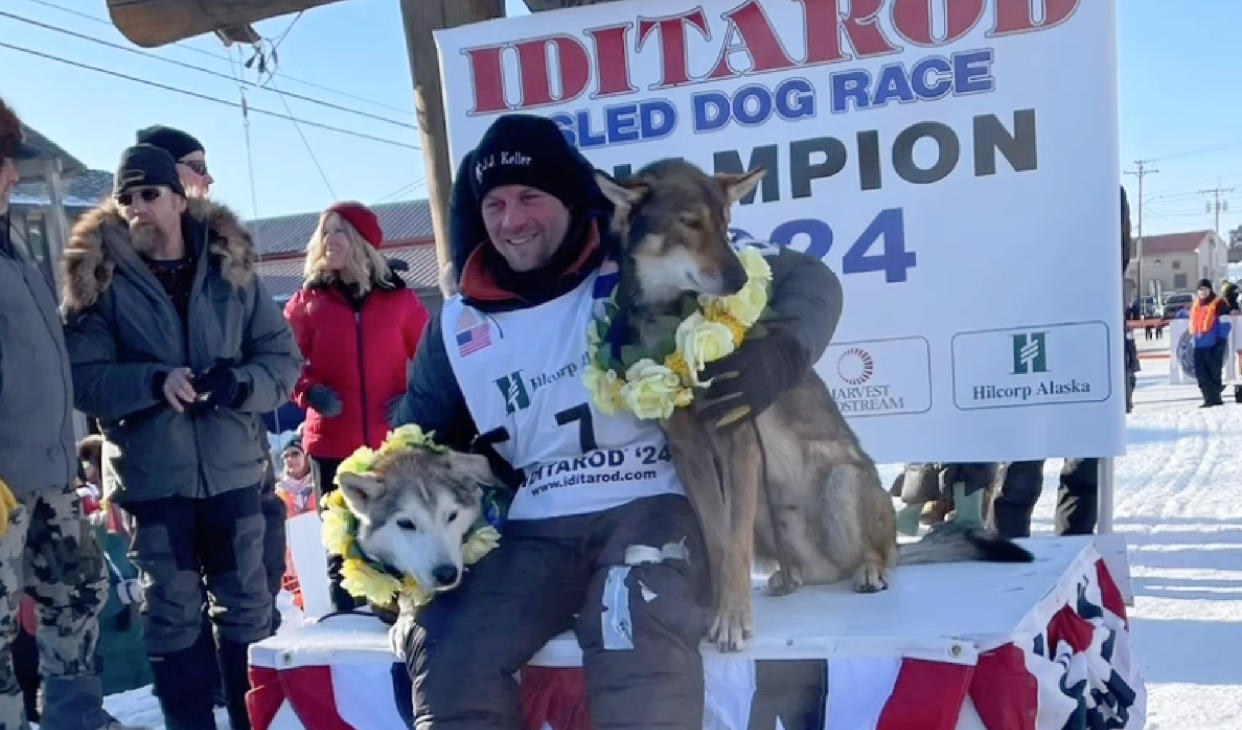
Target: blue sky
{"type": "Point", "coordinates": [1181, 103]}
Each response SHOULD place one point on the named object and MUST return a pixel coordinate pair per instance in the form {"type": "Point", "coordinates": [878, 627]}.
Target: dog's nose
{"type": "Point", "coordinates": [734, 278]}
{"type": "Point", "coordinates": [445, 575]}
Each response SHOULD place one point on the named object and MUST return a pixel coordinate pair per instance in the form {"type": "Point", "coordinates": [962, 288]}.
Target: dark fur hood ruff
{"type": "Point", "coordinates": [88, 264]}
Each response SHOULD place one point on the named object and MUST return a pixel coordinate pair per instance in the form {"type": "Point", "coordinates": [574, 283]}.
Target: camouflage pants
{"type": "Point", "coordinates": [51, 552]}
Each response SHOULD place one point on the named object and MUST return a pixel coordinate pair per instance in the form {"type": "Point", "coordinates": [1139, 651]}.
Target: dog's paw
{"type": "Point", "coordinates": [732, 628]}
{"type": "Point", "coordinates": [782, 583]}
{"type": "Point", "coordinates": [869, 579]}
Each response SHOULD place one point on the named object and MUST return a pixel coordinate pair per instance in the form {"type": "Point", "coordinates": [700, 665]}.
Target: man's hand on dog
{"type": "Point", "coordinates": [748, 381]}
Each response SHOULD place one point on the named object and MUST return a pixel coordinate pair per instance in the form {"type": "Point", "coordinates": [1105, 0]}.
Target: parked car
{"type": "Point", "coordinates": [1175, 303]}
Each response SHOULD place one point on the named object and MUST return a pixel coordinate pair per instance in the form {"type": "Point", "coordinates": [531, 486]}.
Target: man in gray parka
{"type": "Point", "coordinates": [47, 548]}
{"type": "Point", "coordinates": [175, 344]}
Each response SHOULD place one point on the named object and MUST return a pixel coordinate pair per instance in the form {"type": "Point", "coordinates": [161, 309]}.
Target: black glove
{"type": "Point", "coordinates": [746, 382]}
{"type": "Point", "coordinates": [325, 400]}
{"type": "Point", "coordinates": [218, 388]}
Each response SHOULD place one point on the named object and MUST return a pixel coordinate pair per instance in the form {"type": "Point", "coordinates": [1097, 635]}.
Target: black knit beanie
{"type": "Point", "coordinates": [522, 149]}
{"type": "Point", "coordinates": [174, 141]}
{"type": "Point", "coordinates": [146, 165]}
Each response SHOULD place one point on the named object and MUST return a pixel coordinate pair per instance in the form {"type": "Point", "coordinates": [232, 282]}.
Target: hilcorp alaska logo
{"type": "Point", "coordinates": [1030, 357]}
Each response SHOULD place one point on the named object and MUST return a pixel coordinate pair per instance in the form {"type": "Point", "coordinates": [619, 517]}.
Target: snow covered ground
{"type": "Point", "coordinates": [1179, 505]}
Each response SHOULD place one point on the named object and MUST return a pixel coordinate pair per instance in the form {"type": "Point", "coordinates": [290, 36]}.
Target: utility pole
{"type": "Point", "coordinates": [1218, 205]}
{"type": "Point", "coordinates": [421, 18]}
{"type": "Point", "coordinates": [1141, 172]}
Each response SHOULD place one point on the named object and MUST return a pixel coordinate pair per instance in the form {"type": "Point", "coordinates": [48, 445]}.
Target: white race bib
{"type": "Point", "coordinates": [521, 375]}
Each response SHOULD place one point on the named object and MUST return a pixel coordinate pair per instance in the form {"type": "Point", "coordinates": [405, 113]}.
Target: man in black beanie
{"type": "Point", "coordinates": [189, 153]}
{"type": "Point", "coordinates": [176, 346]}
{"type": "Point", "coordinates": [191, 159]}
{"type": "Point", "coordinates": [500, 372]}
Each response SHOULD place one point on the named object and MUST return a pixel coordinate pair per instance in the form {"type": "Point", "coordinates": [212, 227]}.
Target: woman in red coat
{"type": "Point", "coordinates": [358, 326]}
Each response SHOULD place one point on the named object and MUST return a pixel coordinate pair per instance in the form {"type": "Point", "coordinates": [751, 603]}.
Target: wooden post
{"type": "Point", "coordinates": [57, 222]}
{"type": "Point", "coordinates": [421, 18]}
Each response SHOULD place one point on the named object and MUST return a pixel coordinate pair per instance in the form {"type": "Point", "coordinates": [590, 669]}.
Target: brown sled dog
{"type": "Point", "coordinates": [795, 487]}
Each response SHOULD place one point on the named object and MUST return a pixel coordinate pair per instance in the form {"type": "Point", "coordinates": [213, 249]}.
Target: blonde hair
{"type": "Point", "coordinates": [365, 267]}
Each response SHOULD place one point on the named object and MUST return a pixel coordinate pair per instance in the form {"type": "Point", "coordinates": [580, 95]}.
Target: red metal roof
{"type": "Point", "coordinates": [403, 222]}
{"type": "Point", "coordinates": [1171, 243]}
{"type": "Point", "coordinates": [283, 276]}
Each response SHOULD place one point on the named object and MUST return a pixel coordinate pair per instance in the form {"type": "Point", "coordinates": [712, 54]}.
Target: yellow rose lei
{"type": "Point", "coordinates": [363, 576]}
{"type": "Point", "coordinates": [652, 384]}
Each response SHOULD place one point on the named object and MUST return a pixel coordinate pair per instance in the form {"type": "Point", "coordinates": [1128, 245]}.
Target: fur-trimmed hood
{"type": "Point", "coordinates": [89, 264]}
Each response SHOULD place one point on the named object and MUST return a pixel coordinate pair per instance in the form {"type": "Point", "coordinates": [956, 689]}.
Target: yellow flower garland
{"type": "Point", "coordinates": [652, 390]}
{"type": "Point", "coordinates": [360, 576]}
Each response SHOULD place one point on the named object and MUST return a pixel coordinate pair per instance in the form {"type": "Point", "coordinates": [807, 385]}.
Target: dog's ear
{"type": "Point", "coordinates": [737, 187]}
{"type": "Point", "coordinates": [358, 490]}
{"type": "Point", "coordinates": [623, 197]}
{"type": "Point", "coordinates": [473, 467]}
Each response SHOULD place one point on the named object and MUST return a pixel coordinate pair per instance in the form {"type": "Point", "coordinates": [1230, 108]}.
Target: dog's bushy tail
{"type": "Point", "coordinates": [948, 544]}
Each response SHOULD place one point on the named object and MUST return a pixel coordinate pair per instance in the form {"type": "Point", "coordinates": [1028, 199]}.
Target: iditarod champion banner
{"type": "Point", "coordinates": [955, 162]}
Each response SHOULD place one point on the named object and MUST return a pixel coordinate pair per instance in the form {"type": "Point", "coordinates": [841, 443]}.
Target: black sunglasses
{"type": "Point", "coordinates": [149, 195]}
{"type": "Point", "coordinates": [199, 167]}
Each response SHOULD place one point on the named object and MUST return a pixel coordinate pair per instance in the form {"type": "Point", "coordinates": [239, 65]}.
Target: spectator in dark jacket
{"type": "Point", "coordinates": [47, 549]}
{"type": "Point", "coordinates": [358, 326]}
{"type": "Point", "coordinates": [176, 346]}
{"type": "Point", "coordinates": [196, 180]}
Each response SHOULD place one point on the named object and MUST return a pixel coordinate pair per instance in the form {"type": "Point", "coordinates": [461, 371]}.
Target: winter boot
{"type": "Point", "coordinates": [967, 509]}
{"type": "Point", "coordinates": [236, 666]}
{"type": "Point", "coordinates": [908, 518]}
{"type": "Point", "coordinates": [1237, 394]}
{"type": "Point", "coordinates": [183, 685]}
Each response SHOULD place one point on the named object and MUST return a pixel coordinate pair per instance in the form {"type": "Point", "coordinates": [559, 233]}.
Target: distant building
{"type": "Point", "coordinates": [1175, 262]}
{"type": "Point", "coordinates": [408, 238]}
{"type": "Point", "coordinates": [31, 209]}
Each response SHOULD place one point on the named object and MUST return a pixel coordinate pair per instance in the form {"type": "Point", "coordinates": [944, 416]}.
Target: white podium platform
{"type": "Point", "coordinates": [993, 644]}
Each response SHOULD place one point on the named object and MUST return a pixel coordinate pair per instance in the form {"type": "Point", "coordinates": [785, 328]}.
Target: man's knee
{"type": "Point", "coordinates": [640, 634]}
{"type": "Point", "coordinates": [172, 596]}
{"type": "Point", "coordinates": [241, 603]}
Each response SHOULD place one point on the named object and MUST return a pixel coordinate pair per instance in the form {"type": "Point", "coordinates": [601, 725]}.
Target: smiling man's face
{"type": "Point", "coordinates": [525, 225]}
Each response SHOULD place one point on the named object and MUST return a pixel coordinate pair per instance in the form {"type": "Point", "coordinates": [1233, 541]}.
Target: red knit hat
{"type": "Point", "coordinates": [362, 219]}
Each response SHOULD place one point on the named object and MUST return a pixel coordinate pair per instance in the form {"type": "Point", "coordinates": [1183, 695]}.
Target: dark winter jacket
{"type": "Point", "coordinates": [36, 388]}
{"type": "Point", "coordinates": [123, 330]}
{"type": "Point", "coordinates": [806, 301]}
{"type": "Point", "coordinates": [361, 354]}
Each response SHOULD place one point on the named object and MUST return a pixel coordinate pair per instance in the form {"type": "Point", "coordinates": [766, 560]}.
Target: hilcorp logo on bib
{"type": "Point", "coordinates": [1062, 363]}
{"type": "Point", "coordinates": [517, 390]}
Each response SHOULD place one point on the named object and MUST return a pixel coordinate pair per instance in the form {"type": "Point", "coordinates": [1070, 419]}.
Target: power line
{"type": "Point", "coordinates": [1219, 204]}
{"type": "Point", "coordinates": [1200, 151]}
{"type": "Point", "coordinates": [309, 150]}
{"type": "Point", "coordinates": [182, 64]}
{"type": "Point", "coordinates": [400, 191]}
{"type": "Point", "coordinates": [221, 57]}
{"type": "Point", "coordinates": [79, 64]}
